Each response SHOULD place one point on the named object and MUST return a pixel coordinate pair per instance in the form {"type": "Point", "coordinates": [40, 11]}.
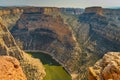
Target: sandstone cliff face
{"type": "Point", "coordinates": [10, 69]}
{"type": "Point", "coordinates": [9, 16]}
{"type": "Point", "coordinates": [32, 68]}
{"type": "Point", "coordinates": [47, 32]}
{"type": "Point", "coordinates": [40, 10]}
{"type": "Point", "coordinates": [10, 11]}
{"type": "Point", "coordinates": [97, 10]}
{"type": "Point", "coordinates": [108, 68]}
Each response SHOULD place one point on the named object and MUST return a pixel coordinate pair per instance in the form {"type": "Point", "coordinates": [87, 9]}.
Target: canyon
{"type": "Point", "coordinates": [75, 38]}
{"type": "Point", "coordinates": [97, 33]}
{"type": "Point", "coordinates": [46, 31]}
{"type": "Point", "coordinates": [32, 68]}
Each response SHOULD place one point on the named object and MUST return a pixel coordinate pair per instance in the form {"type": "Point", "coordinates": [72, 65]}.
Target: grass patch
{"type": "Point", "coordinates": [54, 71]}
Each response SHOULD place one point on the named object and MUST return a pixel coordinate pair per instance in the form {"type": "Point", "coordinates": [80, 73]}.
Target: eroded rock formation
{"type": "Point", "coordinates": [32, 68]}
{"type": "Point", "coordinates": [40, 10]}
{"type": "Point", "coordinates": [108, 68]}
{"type": "Point", "coordinates": [10, 69]}
{"type": "Point", "coordinates": [97, 10]}
{"type": "Point", "coordinates": [10, 11]}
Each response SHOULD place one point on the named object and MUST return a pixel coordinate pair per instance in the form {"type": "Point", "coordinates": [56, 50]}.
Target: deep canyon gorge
{"type": "Point", "coordinates": [75, 38]}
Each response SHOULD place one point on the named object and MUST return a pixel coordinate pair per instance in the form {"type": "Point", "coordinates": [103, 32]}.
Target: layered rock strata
{"type": "Point", "coordinates": [97, 10]}
{"type": "Point", "coordinates": [43, 29]}
{"type": "Point", "coordinates": [32, 68]}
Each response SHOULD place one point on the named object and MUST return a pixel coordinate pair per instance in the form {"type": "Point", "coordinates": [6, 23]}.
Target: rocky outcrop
{"type": "Point", "coordinates": [97, 10]}
{"type": "Point", "coordinates": [10, 11]}
{"type": "Point", "coordinates": [40, 10]}
{"type": "Point", "coordinates": [108, 68]}
{"type": "Point", "coordinates": [32, 68]}
{"type": "Point", "coordinates": [9, 16]}
{"type": "Point", "coordinates": [10, 69]}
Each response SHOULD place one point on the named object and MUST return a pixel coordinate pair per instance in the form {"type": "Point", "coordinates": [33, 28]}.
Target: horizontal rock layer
{"type": "Point", "coordinates": [32, 68]}
{"type": "Point", "coordinates": [97, 10]}
{"type": "Point", "coordinates": [10, 11]}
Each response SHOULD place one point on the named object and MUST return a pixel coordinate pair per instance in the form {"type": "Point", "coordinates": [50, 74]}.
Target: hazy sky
{"type": "Point", "coordinates": [62, 3]}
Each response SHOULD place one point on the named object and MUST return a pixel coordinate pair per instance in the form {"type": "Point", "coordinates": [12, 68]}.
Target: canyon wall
{"type": "Point", "coordinates": [10, 11]}
{"type": "Point", "coordinates": [9, 16]}
{"type": "Point", "coordinates": [40, 10]}
{"type": "Point", "coordinates": [32, 68]}
{"type": "Point", "coordinates": [96, 34]}
{"type": "Point", "coordinates": [97, 10]}
{"type": "Point", "coordinates": [47, 32]}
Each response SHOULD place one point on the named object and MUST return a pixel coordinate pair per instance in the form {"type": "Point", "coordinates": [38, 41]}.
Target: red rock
{"type": "Point", "coordinates": [10, 69]}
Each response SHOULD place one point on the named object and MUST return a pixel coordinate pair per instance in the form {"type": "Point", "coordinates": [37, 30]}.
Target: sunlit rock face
{"type": "Point", "coordinates": [40, 10]}
{"type": "Point", "coordinates": [97, 10]}
{"type": "Point", "coordinates": [10, 11]}
{"type": "Point", "coordinates": [10, 69]}
{"type": "Point", "coordinates": [108, 68]}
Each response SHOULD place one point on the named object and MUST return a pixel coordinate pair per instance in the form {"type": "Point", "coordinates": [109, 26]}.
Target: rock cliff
{"type": "Point", "coordinates": [10, 69]}
{"type": "Point", "coordinates": [47, 32]}
{"type": "Point", "coordinates": [9, 16]}
{"type": "Point", "coordinates": [96, 34]}
{"type": "Point", "coordinates": [97, 10]}
{"type": "Point", "coordinates": [10, 11]}
{"type": "Point", "coordinates": [108, 68]}
{"type": "Point", "coordinates": [102, 30]}
{"type": "Point", "coordinates": [32, 68]}
{"type": "Point", "coordinates": [40, 10]}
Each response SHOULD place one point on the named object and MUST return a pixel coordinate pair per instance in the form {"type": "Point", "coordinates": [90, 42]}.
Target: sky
{"type": "Point", "coordinates": [62, 3]}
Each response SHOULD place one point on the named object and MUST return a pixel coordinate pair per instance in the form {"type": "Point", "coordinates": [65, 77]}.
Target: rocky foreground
{"type": "Point", "coordinates": [10, 69]}
{"type": "Point", "coordinates": [107, 68]}
{"type": "Point", "coordinates": [32, 68]}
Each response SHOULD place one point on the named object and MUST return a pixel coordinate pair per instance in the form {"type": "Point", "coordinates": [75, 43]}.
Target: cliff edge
{"type": "Point", "coordinates": [32, 68]}
{"type": "Point", "coordinates": [97, 10]}
{"type": "Point", "coordinates": [107, 68]}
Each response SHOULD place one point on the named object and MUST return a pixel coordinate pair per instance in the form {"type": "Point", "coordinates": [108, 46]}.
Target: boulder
{"type": "Point", "coordinates": [10, 69]}
{"type": "Point", "coordinates": [107, 68]}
